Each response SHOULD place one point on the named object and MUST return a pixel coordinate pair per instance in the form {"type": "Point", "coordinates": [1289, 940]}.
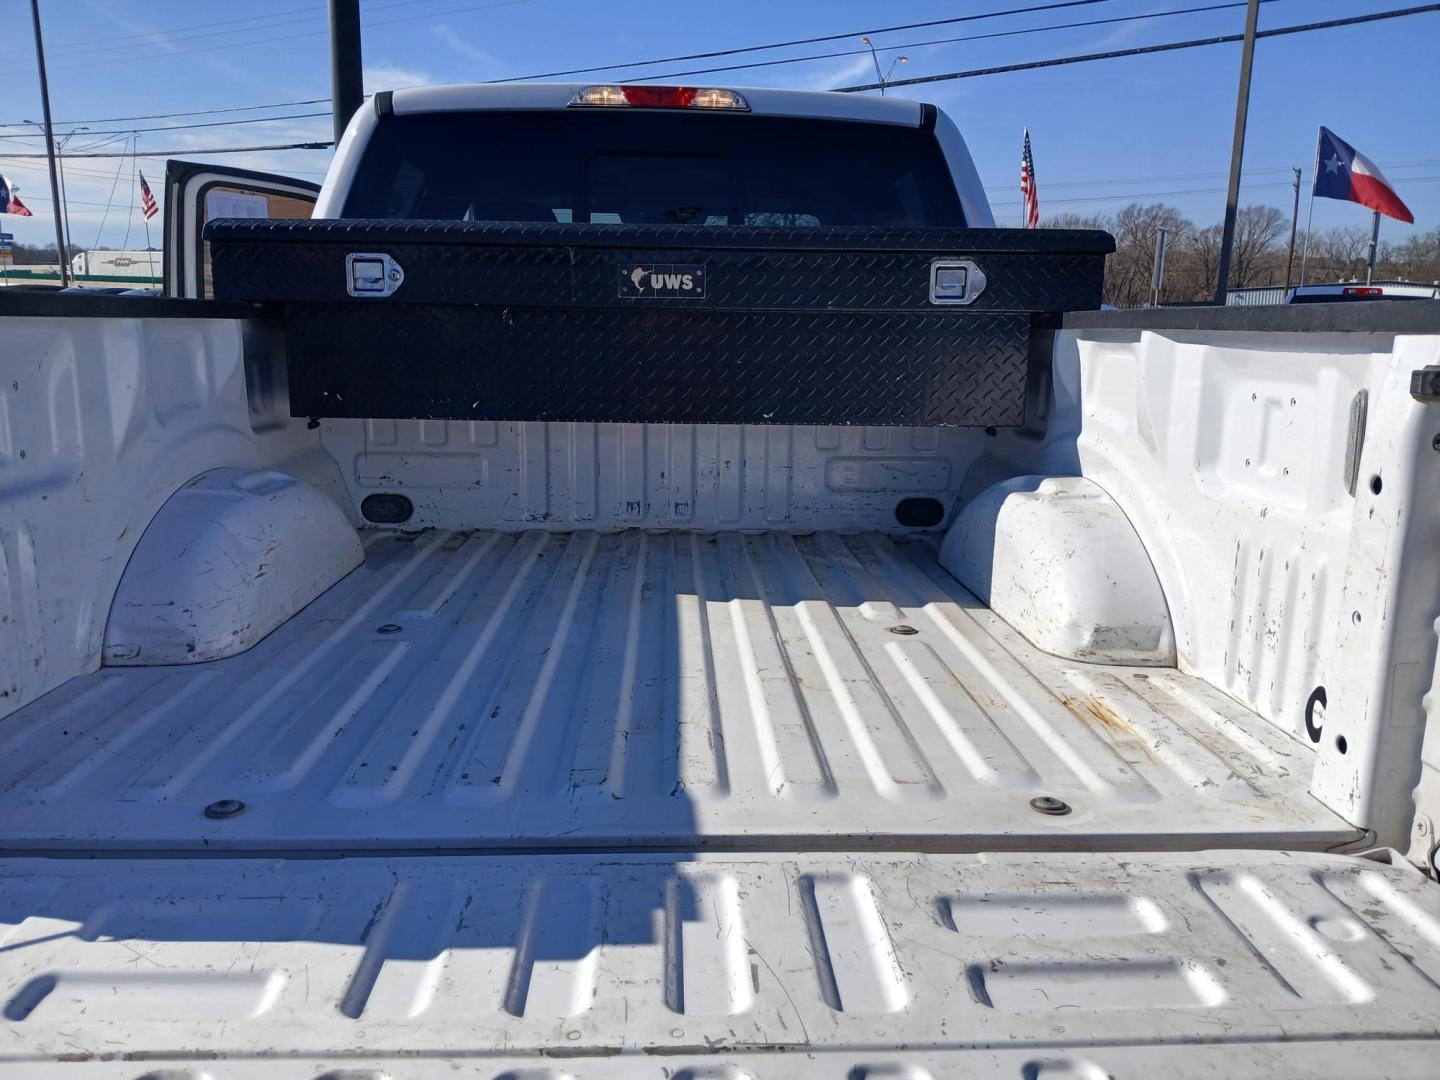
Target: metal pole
{"type": "Point", "coordinates": [55, 200]}
{"type": "Point", "coordinates": [1157, 275]}
{"type": "Point", "coordinates": [1374, 248]}
{"type": "Point", "coordinates": [347, 83]}
{"type": "Point", "coordinates": [1294, 224]}
{"type": "Point", "coordinates": [875, 59]}
{"type": "Point", "coordinates": [1237, 151]}
{"type": "Point", "coordinates": [64, 198]}
{"type": "Point", "coordinates": [1310, 216]}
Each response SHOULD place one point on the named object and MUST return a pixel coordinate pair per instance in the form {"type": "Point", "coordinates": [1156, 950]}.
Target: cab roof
{"type": "Point", "coordinates": [764, 101]}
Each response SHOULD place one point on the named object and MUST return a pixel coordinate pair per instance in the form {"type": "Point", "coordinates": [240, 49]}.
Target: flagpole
{"type": "Point", "coordinates": [143, 216]}
{"type": "Point", "coordinates": [1374, 247]}
{"type": "Point", "coordinates": [1310, 216]}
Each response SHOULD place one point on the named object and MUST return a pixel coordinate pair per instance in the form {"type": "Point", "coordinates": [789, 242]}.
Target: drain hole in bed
{"type": "Point", "coordinates": [919, 513]}
{"type": "Point", "coordinates": [387, 509]}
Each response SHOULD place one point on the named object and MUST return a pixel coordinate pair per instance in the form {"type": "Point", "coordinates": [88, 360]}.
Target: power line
{"type": "Point", "coordinates": [751, 48]}
{"type": "Point", "coordinates": [166, 37]}
{"type": "Point", "coordinates": [1051, 184]}
{"type": "Point", "coordinates": [160, 38]}
{"type": "Point", "coordinates": [294, 37]}
{"type": "Point", "coordinates": [209, 124]}
{"type": "Point", "coordinates": [194, 112]}
{"type": "Point", "coordinates": [941, 41]}
{"type": "Point", "coordinates": [660, 60]}
{"type": "Point", "coordinates": [1143, 50]}
{"type": "Point", "coordinates": [180, 32]}
{"type": "Point", "coordinates": [805, 41]}
{"type": "Point", "coordinates": [191, 150]}
{"type": "Point", "coordinates": [1189, 191]}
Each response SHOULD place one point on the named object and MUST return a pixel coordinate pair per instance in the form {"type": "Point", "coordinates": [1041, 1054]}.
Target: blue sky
{"type": "Point", "coordinates": [1152, 128]}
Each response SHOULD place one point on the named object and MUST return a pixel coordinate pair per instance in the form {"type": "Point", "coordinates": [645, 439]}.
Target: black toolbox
{"type": "Point", "coordinates": [662, 324]}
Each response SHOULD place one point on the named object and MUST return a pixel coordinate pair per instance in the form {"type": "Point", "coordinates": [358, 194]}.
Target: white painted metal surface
{"type": "Point", "coordinates": [101, 420]}
{"type": "Point", "coordinates": [1385, 649]}
{"type": "Point", "coordinates": [641, 688]}
{"type": "Point", "coordinates": [1227, 452]}
{"type": "Point", "coordinates": [1404, 1059]}
{"type": "Point", "coordinates": [1209, 963]}
{"type": "Point", "coordinates": [1056, 558]}
{"type": "Point", "coordinates": [479, 474]}
{"type": "Point", "coordinates": [229, 557]}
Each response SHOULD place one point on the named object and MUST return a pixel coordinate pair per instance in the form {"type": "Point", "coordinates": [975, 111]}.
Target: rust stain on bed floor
{"type": "Point", "coordinates": [1119, 732]}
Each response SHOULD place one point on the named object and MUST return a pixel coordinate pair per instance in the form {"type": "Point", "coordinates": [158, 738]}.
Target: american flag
{"type": "Point", "coordinates": [149, 209]}
{"type": "Point", "coordinates": [1027, 186]}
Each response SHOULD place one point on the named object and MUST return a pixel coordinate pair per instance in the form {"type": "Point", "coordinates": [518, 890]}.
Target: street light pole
{"type": "Point", "coordinates": [882, 77]}
{"type": "Point", "coordinates": [60, 165]}
{"type": "Point", "coordinates": [55, 199]}
{"type": "Point", "coordinates": [1157, 273]}
{"type": "Point", "coordinates": [1237, 151]}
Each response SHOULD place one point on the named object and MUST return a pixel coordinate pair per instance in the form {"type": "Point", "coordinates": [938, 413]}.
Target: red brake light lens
{"type": "Point", "coordinates": [659, 97]}
{"type": "Point", "coordinates": [1360, 290]}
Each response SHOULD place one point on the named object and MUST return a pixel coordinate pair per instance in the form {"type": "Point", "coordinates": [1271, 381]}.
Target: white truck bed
{"type": "Point", "coordinates": [667, 690]}
{"type": "Point", "coordinates": [1045, 965]}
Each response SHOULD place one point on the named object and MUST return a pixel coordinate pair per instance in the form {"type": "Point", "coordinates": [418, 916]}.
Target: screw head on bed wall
{"type": "Point", "coordinates": [225, 808]}
{"type": "Point", "coordinates": [1048, 804]}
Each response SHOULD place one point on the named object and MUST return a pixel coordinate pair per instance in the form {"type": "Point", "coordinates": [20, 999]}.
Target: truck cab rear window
{"type": "Point", "coordinates": [645, 167]}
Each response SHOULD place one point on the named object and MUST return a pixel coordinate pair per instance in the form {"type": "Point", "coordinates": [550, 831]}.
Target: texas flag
{"type": "Point", "coordinates": [10, 202]}
{"type": "Point", "coordinates": [1342, 172]}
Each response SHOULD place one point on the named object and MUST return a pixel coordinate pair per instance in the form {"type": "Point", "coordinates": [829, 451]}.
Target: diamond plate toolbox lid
{"type": "Point", "coordinates": [678, 324]}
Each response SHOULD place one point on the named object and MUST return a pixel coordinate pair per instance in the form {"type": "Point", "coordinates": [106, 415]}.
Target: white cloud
{"type": "Point", "coordinates": [482, 65]}
{"type": "Point", "coordinates": [386, 77]}
{"type": "Point", "coordinates": [814, 75]}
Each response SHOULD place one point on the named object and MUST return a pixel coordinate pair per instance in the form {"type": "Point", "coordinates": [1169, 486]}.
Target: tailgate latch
{"type": "Point", "coordinates": [955, 281]}
{"type": "Point", "coordinates": [372, 274]}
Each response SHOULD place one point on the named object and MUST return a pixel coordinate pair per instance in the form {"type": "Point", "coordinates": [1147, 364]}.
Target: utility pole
{"type": "Point", "coordinates": [1237, 151]}
{"type": "Point", "coordinates": [55, 200]}
{"type": "Point", "coordinates": [347, 81]}
{"type": "Point", "coordinates": [1294, 224]}
{"type": "Point", "coordinates": [1157, 275]}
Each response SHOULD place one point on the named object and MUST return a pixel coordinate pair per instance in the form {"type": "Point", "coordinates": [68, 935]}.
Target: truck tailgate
{"type": "Point", "coordinates": [1068, 965]}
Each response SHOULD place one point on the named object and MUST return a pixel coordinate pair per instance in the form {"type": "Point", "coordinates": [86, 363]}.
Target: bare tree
{"type": "Point", "coordinates": [1193, 258]}
{"type": "Point", "coordinates": [1077, 221]}
{"type": "Point", "coordinates": [1201, 262]}
{"type": "Point", "coordinates": [1254, 261]}
{"type": "Point", "coordinates": [1135, 230]}
{"type": "Point", "coordinates": [1338, 254]}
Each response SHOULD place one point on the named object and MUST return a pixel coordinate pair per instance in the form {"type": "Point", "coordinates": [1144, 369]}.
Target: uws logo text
{"type": "Point", "coordinates": [662, 279]}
